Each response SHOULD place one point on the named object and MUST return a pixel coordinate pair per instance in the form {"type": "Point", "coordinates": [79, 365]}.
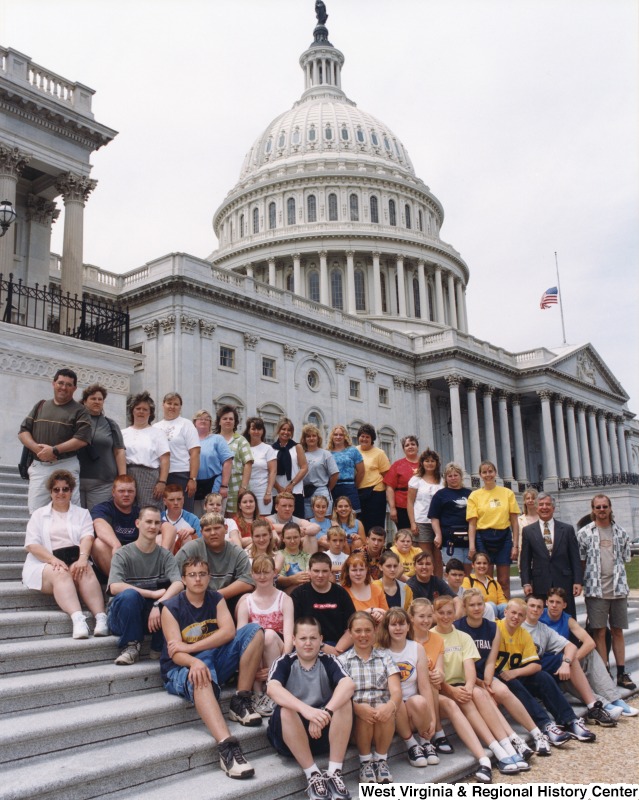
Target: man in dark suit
{"type": "Point", "coordinates": [550, 556]}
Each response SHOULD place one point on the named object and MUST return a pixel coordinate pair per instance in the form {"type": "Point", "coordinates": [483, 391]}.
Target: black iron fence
{"type": "Point", "coordinates": [48, 309]}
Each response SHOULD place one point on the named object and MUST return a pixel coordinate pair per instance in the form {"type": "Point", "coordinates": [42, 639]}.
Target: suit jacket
{"type": "Point", "coordinates": [543, 570]}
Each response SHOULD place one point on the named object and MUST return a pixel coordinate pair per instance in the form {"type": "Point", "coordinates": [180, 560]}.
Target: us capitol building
{"type": "Point", "coordinates": [331, 297]}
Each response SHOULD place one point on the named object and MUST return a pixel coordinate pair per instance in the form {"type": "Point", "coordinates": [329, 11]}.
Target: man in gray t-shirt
{"type": "Point", "coordinates": [142, 575]}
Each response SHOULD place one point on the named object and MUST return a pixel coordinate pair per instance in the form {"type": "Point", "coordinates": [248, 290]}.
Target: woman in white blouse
{"type": "Point", "coordinates": [264, 464]}
{"type": "Point", "coordinates": [147, 452]}
{"type": "Point", "coordinates": [58, 542]}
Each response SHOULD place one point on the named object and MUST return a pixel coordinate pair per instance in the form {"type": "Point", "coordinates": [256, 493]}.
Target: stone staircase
{"type": "Point", "coordinates": [74, 726]}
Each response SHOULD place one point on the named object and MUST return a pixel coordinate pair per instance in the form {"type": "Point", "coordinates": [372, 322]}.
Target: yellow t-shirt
{"type": "Point", "coordinates": [375, 463]}
{"type": "Point", "coordinates": [492, 591]}
{"type": "Point", "coordinates": [407, 560]}
{"type": "Point", "coordinates": [492, 507]}
{"type": "Point", "coordinates": [458, 647]}
{"type": "Point", "coordinates": [515, 650]}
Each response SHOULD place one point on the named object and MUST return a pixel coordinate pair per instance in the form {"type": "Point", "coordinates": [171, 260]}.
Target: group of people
{"type": "Point", "coordinates": [283, 576]}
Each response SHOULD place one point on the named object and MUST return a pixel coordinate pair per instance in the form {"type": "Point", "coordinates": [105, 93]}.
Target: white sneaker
{"type": "Point", "coordinates": [80, 628]}
{"type": "Point", "coordinates": [101, 625]}
{"type": "Point", "coordinates": [129, 655]}
{"type": "Point", "coordinates": [264, 705]}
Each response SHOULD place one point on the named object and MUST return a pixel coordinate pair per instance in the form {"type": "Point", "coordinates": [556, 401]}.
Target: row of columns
{"type": "Point", "coordinates": [593, 444]}
{"type": "Point", "coordinates": [75, 190]}
{"type": "Point", "coordinates": [456, 295]}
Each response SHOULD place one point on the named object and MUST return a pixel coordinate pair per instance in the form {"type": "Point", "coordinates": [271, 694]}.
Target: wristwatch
{"type": "Point", "coordinates": [55, 452]}
{"type": "Point", "coordinates": [329, 710]}
{"type": "Point", "coordinates": [156, 604]}
{"type": "Point", "coordinates": [567, 660]}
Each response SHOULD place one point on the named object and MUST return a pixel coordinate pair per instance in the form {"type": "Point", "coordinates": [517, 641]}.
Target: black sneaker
{"type": "Point", "coordinates": [577, 730]}
{"type": "Point", "coordinates": [336, 786]}
{"type": "Point", "coordinates": [243, 711]}
{"type": "Point", "coordinates": [625, 681]}
{"type": "Point", "coordinates": [597, 715]}
{"type": "Point", "coordinates": [317, 787]}
{"type": "Point", "coordinates": [232, 759]}
{"type": "Point", "coordinates": [442, 745]}
{"type": "Point", "coordinates": [416, 757]}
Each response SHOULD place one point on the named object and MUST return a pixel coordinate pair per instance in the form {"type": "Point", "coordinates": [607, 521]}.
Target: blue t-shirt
{"type": "Point", "coordinates": [346, 461]}
{"type": "Point", "coordinates": [195, 623]}
{"type": "Point", "coordinates": [123, 524]}
{"type": "Point", "coordinates": [483, 636]}
{"type": "Point", "coordinates": [449, 507]}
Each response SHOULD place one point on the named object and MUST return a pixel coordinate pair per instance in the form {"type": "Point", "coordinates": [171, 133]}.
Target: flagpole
{"type": "Point", "coordinates": [561, 305]}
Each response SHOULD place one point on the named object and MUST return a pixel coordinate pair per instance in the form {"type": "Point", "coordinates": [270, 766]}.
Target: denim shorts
{"type": "Point", "coordinates": [497, 544]}
{"type": "Point", "coordinates": [223, 662]}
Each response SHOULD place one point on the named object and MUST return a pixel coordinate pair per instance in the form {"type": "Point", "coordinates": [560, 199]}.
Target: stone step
{"type": "Point", "coordinates": [28, 625]}
{"type": "Point", "coordinates": [31, 655]}
{"type": "Point", "coordinates": [14, 511]}
{"type": "Point", "coordinates": [12, 524]}
{"type": "Point", "coordinates": [47, 688]}
{"type": "Point", "coordinates": [12, 553]}
{"type": "Point", "coordinates": [13, 489]}
{"type": "Point", "coordinates": [11, 571]}
{"type": "Point", "coordinates": [14, 596]}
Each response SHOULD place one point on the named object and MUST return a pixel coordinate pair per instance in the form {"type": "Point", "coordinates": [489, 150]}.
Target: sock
{"type": "Point", "coordinates": [334, 766]}
{"type": "Point", "coordinates": [365, 759]}
{"type": "Point", "coordinates": [621, 668]}
{"type": "Point", "coordinates": [421, 740]}
{"type": "Point", "coordinates": [410, 742]}
{"type": "Point", "coordinates": [498, 750]}
{"type": "Point", "coordinates": [536, 733]}
{"type": "Point", "coordinates": [438, 734]}
{"type": "Point", "coordinates": [505, 743]}
{"type": "Point", "coordinates": [590, 705]}
{"type": "Point", "coordinates": [101, 615]}
{"type": "Point", "coordinates": [313, 768]}
{"type": "Point", "coordinates": [484, 761]}
{"type": "Point", "coordinates": [77, 615]}
{"type": "Point", "coordinates": [380, 756]}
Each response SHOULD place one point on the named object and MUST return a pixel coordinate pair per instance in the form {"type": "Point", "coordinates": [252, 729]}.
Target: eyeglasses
{"type": "Point", "coordinates": [196, 574]}
{"type": "Point", "coordinates": [601, 508]}
{"type": "Point", "coordinates": [63, 489]}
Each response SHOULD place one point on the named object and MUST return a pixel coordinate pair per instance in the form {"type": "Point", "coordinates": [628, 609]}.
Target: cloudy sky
{"type": "Point", "coordinates": [520, 116]}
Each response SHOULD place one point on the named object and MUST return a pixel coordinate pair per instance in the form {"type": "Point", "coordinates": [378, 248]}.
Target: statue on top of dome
{"type": "Point", "coordinates": [320, 12]}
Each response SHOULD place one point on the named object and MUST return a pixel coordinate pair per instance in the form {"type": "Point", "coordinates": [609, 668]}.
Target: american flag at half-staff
{"type": "Point", "coordinates": [549, 297]}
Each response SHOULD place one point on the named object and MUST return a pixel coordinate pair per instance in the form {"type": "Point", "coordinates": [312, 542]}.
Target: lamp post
{"type": "Point", "coordinates": [7, 216]}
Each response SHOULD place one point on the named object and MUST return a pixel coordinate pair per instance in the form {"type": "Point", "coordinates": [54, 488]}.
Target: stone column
{"type": "Point", "coordinates": [573, 448]}
{"type": "Point", "coordinates": [520, 451]}
{"type": "Point", "coordinates": [473, 426]}
{"type": "Point", "coordinates": [560, 432]}
{"type": "Point", "coordinates": [504, 435]}
{"type": "Point", "coordinates": [40, 215]}
{"type": "Point", "coordinates": [621, 444]}
{"type": "Point", "coordinates": [12, 163]}
{"type": "Point", "coordinates": [297, 275]}
{"type": "Point", "coordinates": [323, 277]}
{"type": "Point", "coordinates": [604, 444]}
{"type": "Point", "coordinates": [452, 310]}
{"type": "Point", "coordinates": [349, 305]}
{"type": "Point", "coordinates": [271, 272]}
{"type": "Point", "coordinates": [586, 469]}
{"type": "Point", "coordinates": [594, 442]}
{"type": "Point", "coordinates": [550, 463]}
{"type": "Point", "coordinates": [377, 286]}
{"type": "Point", "coordinates": [75, 190]}
{"type": "Point", "coordinates": [423, 294]}
{"type": "Point", "coordinates": [456, 418]}
{"type": "Point", "coordinates": [249, 270]}
{"type": "Point", "coordinates": [614, 449]}
{"type": "Point", "coordinates": [489, 424]}
{"type": "Point", "coordinates": [401, 287]}
{"type": "Point", "coordinates": [439, 296]}
{"type": "Point", "coordinates": [459, 298]}
{"type": "Point", "coordinates": [425, 415]}
{"type": "Point", "coordinates": [629, 451]}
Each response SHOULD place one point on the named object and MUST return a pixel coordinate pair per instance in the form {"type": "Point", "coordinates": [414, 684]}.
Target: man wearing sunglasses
{"type": "Point", "coordinates": [603, 548]}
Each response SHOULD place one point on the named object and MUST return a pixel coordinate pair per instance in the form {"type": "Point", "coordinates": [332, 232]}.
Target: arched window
{"type": "Point", "coordinates": [328, 133]}
{"type": "Point", "coordinates": [396, 283]}
{"type": "Point", "coordinates": [374, 209]}
{"type": "Point", "coordinates": [282, 140]}
{"type": "Point", "coordinates": [409, 222]}
{"type": "Point", "coordinates": [312, 133]}
{"type": "Point", "coordinates": [360, 136]}
{"type": "Point", "coordinates": [290, 211]}
{"type": "Point", "coordinates": [311, 208]}
{"type": "Point", "coordinates": [295, 136]}
{"type": "Point", "coordinates": [417, 299]}
{"type": "Point", "coordinates": [353, 203]}
{"type": "Point", "coordinates": [290, 283]}
{"type": "Point", "coordinates": [241, 225]}
{"type": "Point", "coordinates": [314, 286]}
{"type": "Point", "coordinates": [256, 220]}
{"type": "Point", "coordinates": [382, 283]}
{"type": "Point", "coordinates": [345, 133]}
{"type": "Point", "coordinates": [360, 291]}
{"type": "Point", "coordinates": [374, 139]}
{"type": "Point", "coordinates": [332, 207]}
{"type": "Point", "coordinates": [337, 297]}
{"type": "Point", "coordinates": [271, 215]}
{"type": "Point", "coordinates": [314, 419]}
{"type": "Point", "coordinates": [420, 220]}
{"type": "Point", "coordinates": [431, 301]}
{"type": "Point", "coordinates": [392, 212]}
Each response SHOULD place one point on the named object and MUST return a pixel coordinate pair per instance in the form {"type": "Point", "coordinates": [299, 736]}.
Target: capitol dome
{"type": "Point", "coordinates": [328, 207]}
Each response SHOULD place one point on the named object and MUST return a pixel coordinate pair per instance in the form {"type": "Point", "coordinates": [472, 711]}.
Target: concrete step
{"type": "Point", "coordinates": [14, 596]}
{"type": "Point", "coordinates": [25, 655]}
{"type": "Point", "coordinates": [11, 571]}
{"type": "Point", "coordinates": [13, 489]}
{"type": "Point", "coordinates": [12, 553]}
{"type": "Point", "coordinates": [28, 625]}
{"type": "Point", "coordinates": [47, 688]}
{"type": "Point", "coordinates": [12, 510]}
{"type": "Point", "coordinates": [12, 524]}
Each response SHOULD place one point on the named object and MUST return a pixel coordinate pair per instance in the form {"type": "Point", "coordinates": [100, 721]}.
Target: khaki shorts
{"type": "Point", "coordinates": [601, 611]}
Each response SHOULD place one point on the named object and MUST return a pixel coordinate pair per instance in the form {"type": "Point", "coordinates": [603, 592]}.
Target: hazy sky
{"type": "Point", "coordinates": [521, 116]}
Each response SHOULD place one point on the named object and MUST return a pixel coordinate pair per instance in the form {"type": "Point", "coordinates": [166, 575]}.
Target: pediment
{"type": "Point", "coordinates": [587, 366]}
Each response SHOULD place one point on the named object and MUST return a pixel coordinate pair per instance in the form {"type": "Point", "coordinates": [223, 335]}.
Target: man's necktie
{"type": "Point", "coordinates": [547, 537]}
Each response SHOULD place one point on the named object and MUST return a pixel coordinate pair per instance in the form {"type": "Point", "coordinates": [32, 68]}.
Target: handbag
{"type": "Point", "coordinates": [26, 459]}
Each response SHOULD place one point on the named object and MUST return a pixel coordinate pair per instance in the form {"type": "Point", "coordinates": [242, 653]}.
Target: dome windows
{"type": "Point", "coordinates": [353, 204]}
{"type": "Point", "coordinates": [290, 211]}
{"type": "Point", "coordinates": [268, 145]}
{"type": "Point", "coordinates": [361, 138]}
{"type": "Point", "coordinates": [281, 140]}
{"type": "Point", "coordinates": [272, 217]}
{"type": "Point", "coordinates": [407, 216]}
{"type": "Point", "coordinates": [360, 290]}
{"type": "Point", "coordinates": [314, 286]}
{"type": "Point", "coordinates": [374, 204]}
{"type": "Point", "coordinates": [345, 134]}
{"type": "Point", "coordinates": [387, 144]}
{"type": "Point", "coordinates": [256, 220]}
{"type": "Point", "coordinates": [420, 220]}
{"type": "Point", "coordinates": [332, 207]}
{"type": "Point", "coordinates": [328, 133]}
{"type": "Point", "coordinates": [337, 294]}
{"type": "Point", "coordinates": [296, 136]}
{"type": "Point", "coordinates": [392, 213]}
{"type": "Point", "coordinates": [374, 139]}
{"type": "Point", "coordinates": [241, 225]}
{"type": "Point", "coordinates": [312, 134]}
{"type": "Point", "coordinates": [311, 208]}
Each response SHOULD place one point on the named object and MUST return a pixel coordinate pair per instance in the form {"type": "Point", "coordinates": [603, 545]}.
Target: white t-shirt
{"type": "Point", "coordinates": [182, 437]}
{"type": "Point", "coordinates": [263, 454]}
{"type": "Point", "coordinates": [144, 446]}
{"type": "Point", "coordinates": [406, 660]}
{"type": "Point", "coordinates": [425, 493]}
